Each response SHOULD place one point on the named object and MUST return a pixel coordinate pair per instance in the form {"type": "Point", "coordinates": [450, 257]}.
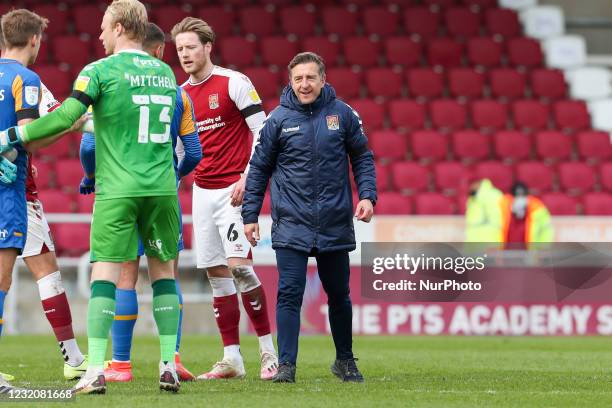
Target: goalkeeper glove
{"type": "Point", "coordinates": [88, 185]}
{"type": "Point", "coordinates": [8, 171]}
{"type": "Point", "coordinates": [9, 138]}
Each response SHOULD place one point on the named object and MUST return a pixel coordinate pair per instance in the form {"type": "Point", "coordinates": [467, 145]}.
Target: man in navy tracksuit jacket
{"type": "Point", "coordinates": [304, 149]}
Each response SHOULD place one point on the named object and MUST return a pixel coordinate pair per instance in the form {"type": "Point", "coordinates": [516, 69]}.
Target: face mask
{"type": "Point", "coordinates": [519, 206]}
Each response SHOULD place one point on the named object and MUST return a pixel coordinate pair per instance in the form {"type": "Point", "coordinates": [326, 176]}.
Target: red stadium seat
{"type": "Point", "coordinates": [530, 114]}
{"type": "Point", "coordinates": [409, 177]}
{"type": "Point", "coordinates": [462, 22]}
{"type": "Point", "coordinates": [339, 20]}
{"type": "Point", "coordinates": [361, 51]}
{"type": "Point", "coordinates": [388, 145]}
{"type": "Point", "coordinates": [326, 47]}
{"type": "Point", "coordinates": [58, 17]}
{"type": "Point", "coordinates": [445, 52]}
{"type": "Point", "coordinates": [85, 203]}
{"type": "Point", "coordinates": [83, 15]}
{"type": "Point", "coordinates": [502, 22]}
{"type": "Point", "coordinates": [167, 15]}
{"type": "Point", "coordinates": [484, 52]}
{"type": "Point", "coordinates": [488, 114]}
{"type": "Point", "coordinates": [553, 146]}
{"type": "Point", "coordinates": [403, 51]}
{"type": "Point", "coordinates": [71, 49]}
{"type": "Point", "coordinates": [466, 83]}
{"type": "Point", "coordinates": [507, 83]}
{"type": "Point", "coordinates": [499, 173]}
{"type": "Point", "coordinates": [392, 203]}
{"type": "Point", "coordinates": [298, 20]}
{"type": "Point", "coordinates": [382, 177]}
{"type": "Point", "coordinates": [576, 177]}
{"type": "Point", "coordinates": [238, 51]}
{"type": "Point", "coordinates": [258, 19]}
{"type": "Point", "coordinates": [421, 22]}
{"type": "Point", "coordinates": [425, 83]}
{"type": "Point", "coordinates": [266, 81]}
{"type": "Point", "coordinates": [448, 114]}
{"type": "Point", "coordinates": [221, 18]}
{"type": "Point", "coordinates": [434, 204]}
{"type": "Point", "coordinates": [449, 176]}
{"type": "Point", "coordinates": [524, 52]}
{"type": "Point", "coordinates": [429, 145]}
{"type": "Point", "coordinates": [470, 145]}
{"type": "Point", "coordinates": [605, 174]}
{"type": "Point", "coordinates": [71, 239]}
{"type": "Point", "coordinates": [185, 202]}
{"type": "Point", "coordinates": [345, 81]}
{"type": "Point", "coordinates": [571, 115]}
{"type": "Point", "coordinates": [69, 174]}
{"type": "Point", "coordinates": [548, 83]}
{"type": "Point", "coordinates": [598, 204]}
{"type": "Point", "coordinates": [406, 114]}
{"type": "Point", "coordinates": [59, 81]}
{"type": "Point", "coordinates": [560, 204]}
{"type": "Point", "coordinates": [55, 201]}
{"type": "Point", "coordinates": [371, 112]}
{"type": "Point", "coordinates": [380, 20]}
{"type": "Point", "coordinates": [384, 82]}
{"type": "Point", "coordinates": [594, 145]}
{"type": "Point", "coordinates": [278, 50]}
{"type": "Point", "coordinates": [511, 145]}
{"type": "Point", "coordinates": [44, 173]}
{"type": "Point", "coordinates": [537, 174]}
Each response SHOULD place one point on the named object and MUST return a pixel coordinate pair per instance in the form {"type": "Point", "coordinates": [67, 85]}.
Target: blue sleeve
{"type": "Point", "coordinates": [261, 167]}
{"type": "Point", "coordinates": [193, 153]}
{"type": "Point", "coordinates": [88, 153]}
{"type": "Point", "coordinates": [362, 159]}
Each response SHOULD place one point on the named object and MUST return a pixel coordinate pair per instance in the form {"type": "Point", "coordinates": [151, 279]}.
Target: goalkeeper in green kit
{"type": "Point", "coordinates": [132, 95]}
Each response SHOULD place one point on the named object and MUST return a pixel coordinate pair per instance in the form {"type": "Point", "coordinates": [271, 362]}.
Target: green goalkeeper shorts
{"type": "Point", "coordinates": [117, 222]}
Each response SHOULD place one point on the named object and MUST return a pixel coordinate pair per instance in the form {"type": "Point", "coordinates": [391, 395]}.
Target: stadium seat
{"type": "Point", "coordinates": [384, 82]}
{"type": "Point", "coordinates": [71, 49]}
{"type": "Point", "coordinates": [406, 114]}
{"type": "Point", "coordinates": [393, 203]}
{"type": "Point", "coordinates": [434, 204]}
{"type": "Point", "coordinates": [339, 20]}
{"type": "Point", "coordinates": [429, 145]}
{"type": "Point", "coordinates": [44, 174]}
{"type": "Point", "coordinates": [221, 18]}
{"type": "Point", "coordinates": [488, 114]}
{"type": "Point", "coordinates": [511, 145]}
{"type": "Point", "coordinates": [71, 239]}
{"type": "Point", "coordinates": [382, 177]}
{"type": "Point", "coordinates": [259, 20]}
{"type": "Point", "coordinates": [421, 23]}
{"type": "Point", "coordinates": [560, 204]}
{"type": "Point", "coordinates": [388, 145]}
{"type": "Point", "coordinates": [449, 176]}
{"type": "Point", "coordinates": [83, 14]}
{"type": "Point", "coordinates": [278, 50]}
{"type": "Point", "coordinates": [445, 52]}
{"type": "Point", "coordinates": [576, 177]}
{"type": "Point", "coordinates": [266, 81]}
{"type": "Point", "coordinates": [68, 174]}
{"type": "Point", "coordinates": [410, 178]}
{"type": "Point", "coordinates": [499, 173]}
{"type": "Point", "coordinates": [502, 22]}
{"type": "Point", "coordinates": [524, 52]}
{"type": "Point", "coordinates": [238, 51]}
{"type": "Point", "coordinates": [425, 83]}
{"type": "Point", "coordinates": [466, 83]}
{"type": "Point", "coordinates": [530, 115]}
{"type": "Point", "coordinates": [56, 201]}
{"type": "Point", "coordinates": [470, 145]}
{"type": "Point", "coordinates": [605, 173]}
{"type": "Point", "coordinates": [380, 20]}
{"type": "Point", "coordinates": [594, 145]}
{"type": "Point", "coordinates": [59, 81]}
{"type": "Point", "coordinates": [345, 81]}
{"type": "Point", "coordinates": [58, 16]}
{"type": "Point", "coordinates": [372, 113]}
{"type": "Point", "coordinates": [167, 15]}
{"type": "Point", "coordinates": [484, 52]}
{"type": "Point", "coordinates": [547, 83]}
{"type": "Point", "coordinates": [327, 48]}
{"type": "Point", "coordinates": [572, 115]}
{"type": "Point", "coordinates": [462, 22]}
{"type": "Point", "coordinates": [85, 203]}
{"type": "Point", "coordinates": [536, 174]}
{"type": "Point", "coordinates": [564, 52]}
{"type": "Point", "coordinates": [553, 146]}
{"type": "Point", "coordinates": [589, 82]}
{"type": "Point", "coordinates": [543, 21]}
{"type": "Point", "coordinates": [361, 51]}
{"type": "Point", "coordinates": [600, 114]}
{"type": "Point", "coordinates": [507, 83]}
{"type": "Point", "coordinates": [597, 204]}
{"type": "Point", "coordinates": [448, 114]}
{"type": "Point", "coordinates": [403, 51]}
{"type": "Point", "coordinates": [299, 20]}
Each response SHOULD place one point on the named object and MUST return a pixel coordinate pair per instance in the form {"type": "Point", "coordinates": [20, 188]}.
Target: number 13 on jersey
{"type": "Point", "coordinates": [144, 102]}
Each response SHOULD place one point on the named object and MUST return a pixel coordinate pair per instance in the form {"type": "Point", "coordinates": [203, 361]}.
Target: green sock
{"type": "Point", "coordinates": [166, 313]}
{"type": "Point", "coordinates": [100, 316]}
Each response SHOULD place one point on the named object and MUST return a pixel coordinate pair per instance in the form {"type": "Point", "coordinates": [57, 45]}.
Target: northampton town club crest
{"type": "Point", "coordinates": [213, 101]}
{"type": "Point", "coordinates": [333, 123]}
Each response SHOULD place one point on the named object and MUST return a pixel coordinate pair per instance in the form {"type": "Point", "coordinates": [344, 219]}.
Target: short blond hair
{"type": "Point", "coordinates": [132, 15]}
{"type": "Point", "coordinates": [194, 25]}
{"type": "Point", "coordinates": [18, 26]}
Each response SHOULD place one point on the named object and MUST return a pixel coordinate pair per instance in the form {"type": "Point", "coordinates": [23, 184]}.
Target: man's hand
{"type": "Point", "coordinates": [9, 138]}
{"type": "Point", "coordinates": [252, 233]}
{"type": "Point", "coordinates": [238, 191]}
{"type": "Point", "coordinates": [8, 171]}
{"type": "Point", "coordinates": [364, 211]}
{"type": "Point", "coordinates": [88, 185]}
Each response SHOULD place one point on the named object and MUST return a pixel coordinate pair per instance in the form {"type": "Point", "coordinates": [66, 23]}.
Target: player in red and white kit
{"type": "Point", "coordinates": [228, 112]}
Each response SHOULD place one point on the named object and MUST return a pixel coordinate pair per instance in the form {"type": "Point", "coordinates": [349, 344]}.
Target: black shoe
{"type": "Point", "coordinates": [285, 373]}
{"type": "Point", "coordinates": [347, 370]}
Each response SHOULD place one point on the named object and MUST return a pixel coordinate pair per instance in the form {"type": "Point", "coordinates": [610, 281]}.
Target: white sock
{"type": "Point", "coordinates": [266, 344]}
{"type": "Point", "coordinates": [75, 357]}
{"type": "Point", "coordinates": [232, 352]}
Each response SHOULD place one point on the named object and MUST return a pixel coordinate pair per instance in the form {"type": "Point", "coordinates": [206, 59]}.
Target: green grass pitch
{"type": "Point", "coordinates": [399, 371]}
